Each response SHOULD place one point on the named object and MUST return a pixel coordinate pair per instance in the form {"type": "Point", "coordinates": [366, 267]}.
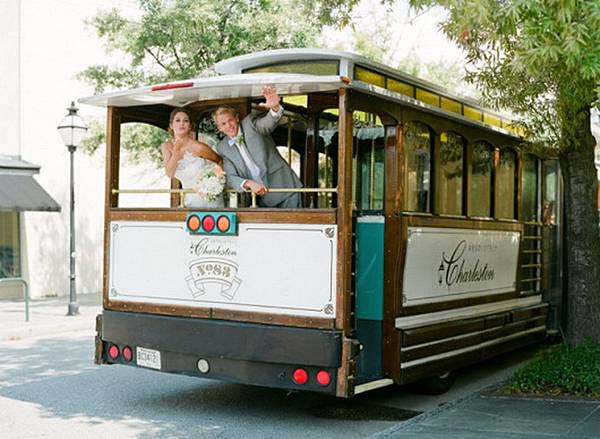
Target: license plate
{"type": "Point", "coordinates": [148, 358]}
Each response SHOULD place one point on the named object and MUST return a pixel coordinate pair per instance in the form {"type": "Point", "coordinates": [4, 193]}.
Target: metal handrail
{"type": "Point", "coordinates": [533, 223]}
{"type": "Point", "coordinates": [25, 292]}
{"type": "Point", "coordinates": [181, 192]}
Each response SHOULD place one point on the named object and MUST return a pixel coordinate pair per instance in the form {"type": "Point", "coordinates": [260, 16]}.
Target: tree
{"type": "Point", "coordinates": [541, 58]}
{"type": "Point", "coordinates": [180, 39]}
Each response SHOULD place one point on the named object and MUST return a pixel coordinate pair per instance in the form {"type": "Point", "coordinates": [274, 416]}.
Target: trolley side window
{"type": "Point", "coordinates": [418, 143]}
{"type": "Point", "coordinates": [141, 167]}
{"type": "Point", "coordinates": [505, 184]}
{"type": "Point", "coordinates": [480, 182]}
{"type": "Point", "coordinates": [451, 164]}
{"type": "Point", "coordinates": [368, 166]}
{"type": "Point", "coordinates": [327, 147]}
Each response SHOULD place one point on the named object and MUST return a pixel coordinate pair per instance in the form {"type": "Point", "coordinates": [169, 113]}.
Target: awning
{"type": "Point", "coordinates": [21, 192]}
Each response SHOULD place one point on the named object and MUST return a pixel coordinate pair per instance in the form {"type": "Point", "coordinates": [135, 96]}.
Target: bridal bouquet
{"type": "Point", "coordinates": [210, 182]}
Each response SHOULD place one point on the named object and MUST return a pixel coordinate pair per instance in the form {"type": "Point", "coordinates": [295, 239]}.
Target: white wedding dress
{"type": "Point", "coordinates": [188, 168]}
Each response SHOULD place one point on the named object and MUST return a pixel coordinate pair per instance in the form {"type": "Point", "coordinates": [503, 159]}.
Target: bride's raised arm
{"type": "Point", "coordinates": [201, 149]}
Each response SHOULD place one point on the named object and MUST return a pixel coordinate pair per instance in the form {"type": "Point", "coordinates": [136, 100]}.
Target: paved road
{"type": "Point", "coordinates": [50, 388]}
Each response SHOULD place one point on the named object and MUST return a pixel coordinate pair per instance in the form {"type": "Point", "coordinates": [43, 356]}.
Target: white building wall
{"type": "Point", "coordinates": [9, 75]}
{"type": "Point", "coordinates": [54, 45]}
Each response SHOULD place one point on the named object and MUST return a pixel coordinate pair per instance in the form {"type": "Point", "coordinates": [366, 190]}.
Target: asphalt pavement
{"type": "Point", "coordinates": [487, 413]}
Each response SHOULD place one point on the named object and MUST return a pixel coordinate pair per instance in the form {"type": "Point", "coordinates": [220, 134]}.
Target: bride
{"type": "Point", "coordinates": [185, 158]}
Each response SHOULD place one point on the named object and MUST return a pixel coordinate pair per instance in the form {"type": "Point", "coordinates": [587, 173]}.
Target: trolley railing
{"type": "Point", "coordinates": [532, 257]}
{"type": "Point", "coordinates": [232, 193]}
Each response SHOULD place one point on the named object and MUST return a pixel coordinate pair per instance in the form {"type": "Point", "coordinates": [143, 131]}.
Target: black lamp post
{"type": "Point", "coordinates": [72, 129]}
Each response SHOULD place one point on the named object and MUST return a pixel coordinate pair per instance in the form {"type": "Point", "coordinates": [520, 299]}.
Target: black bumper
{"type": "Point", "coordinates": [241, 352]}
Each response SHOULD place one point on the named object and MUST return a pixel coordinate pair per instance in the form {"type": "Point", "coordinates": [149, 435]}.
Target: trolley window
{"type": "Point", "coordinates": [418, 145]}
{"type": "Point", "coordinates": [480, 183]}
{"type": "Point", "coordinates": [505, 185]}
{"type": "Point", "coordinates": [449, 190]}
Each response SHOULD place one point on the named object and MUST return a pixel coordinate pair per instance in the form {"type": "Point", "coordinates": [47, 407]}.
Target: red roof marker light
{"type": "Point", "coordinates": [171, 86]}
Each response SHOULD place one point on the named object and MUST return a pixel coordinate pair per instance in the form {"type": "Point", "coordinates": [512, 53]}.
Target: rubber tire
{"type": "Point", "coordinates": [435, 385]}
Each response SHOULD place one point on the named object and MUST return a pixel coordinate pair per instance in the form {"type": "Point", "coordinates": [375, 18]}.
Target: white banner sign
{"type": "Point", "coordinates": [269, 268]}
{"type": "Point", "coordinates": [448, 264]}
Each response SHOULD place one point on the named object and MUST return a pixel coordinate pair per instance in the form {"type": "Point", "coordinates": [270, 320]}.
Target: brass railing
{"type": "Point", "coordinates": [233, 194]}
{"type": "Point", "coordinates": [534, 254]}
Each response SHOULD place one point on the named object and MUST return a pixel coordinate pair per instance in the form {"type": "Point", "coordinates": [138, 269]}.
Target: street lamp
{"type": "Point", "coordinates": [72, 129]}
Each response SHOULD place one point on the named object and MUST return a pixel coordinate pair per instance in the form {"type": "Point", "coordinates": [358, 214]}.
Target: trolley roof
{"type": "Point", "coordinates": [181, 93]}
{"type": "Point", "coordinates": [301, 71]}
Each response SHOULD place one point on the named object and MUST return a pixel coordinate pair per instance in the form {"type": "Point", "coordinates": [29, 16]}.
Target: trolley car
{"type": "Point", "coordinates": [429, 239]}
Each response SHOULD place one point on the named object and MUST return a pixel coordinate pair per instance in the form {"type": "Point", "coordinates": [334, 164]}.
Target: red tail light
{"type": "Point", "coordinates": [113, 351]}
{"type": "Point", "coordinates": [300, 376]}
{"type": "Point", "coordinates": [323, 377]}
{"type": "Point", "coordinates": [127, 353]}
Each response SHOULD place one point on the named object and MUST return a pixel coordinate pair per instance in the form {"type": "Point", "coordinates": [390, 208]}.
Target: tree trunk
{"type": "Point", "coordinates": [582, 238]}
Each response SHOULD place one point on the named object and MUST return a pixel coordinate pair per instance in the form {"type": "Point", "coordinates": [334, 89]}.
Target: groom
{"type": "Point", "coordinates": [250, 158]}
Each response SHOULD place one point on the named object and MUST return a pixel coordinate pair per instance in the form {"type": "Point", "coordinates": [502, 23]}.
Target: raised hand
{"type": "Point", "coordinates": [272, 98]}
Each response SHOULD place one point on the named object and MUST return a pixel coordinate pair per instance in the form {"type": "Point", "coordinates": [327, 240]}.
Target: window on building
{"type": "Point", "coordinates": [417, 147]}
{"type": "Point", "coordinates": [449, 189]}
{"type": "Point", "coordinates": [10, 259]}
{"type": "Point", "coordinates": [505, 184]}
{"type": "Point", "coordinates": [480, 183]}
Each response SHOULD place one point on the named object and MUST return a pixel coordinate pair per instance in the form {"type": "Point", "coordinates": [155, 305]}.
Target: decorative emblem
{"type": "Point", "coordinates": [115, 227]}
{"type": "Point", "coordinates": [330, 232]}
{"type": "Point", "coordinates": [113, 293]}
{"type": "Point", "coordinates": [207, 272]}
{"type": "Point", "coordinates": [328, 309]}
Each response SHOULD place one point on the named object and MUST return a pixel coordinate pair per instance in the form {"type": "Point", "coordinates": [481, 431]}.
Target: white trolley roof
{"type": "Point", "coordinates": [181, 93]}
{"type": "Point", "coordinates": [236, 80]}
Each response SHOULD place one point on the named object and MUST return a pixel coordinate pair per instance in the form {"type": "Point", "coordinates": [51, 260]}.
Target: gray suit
{"type": "Point", "coordinates": [274, 170]}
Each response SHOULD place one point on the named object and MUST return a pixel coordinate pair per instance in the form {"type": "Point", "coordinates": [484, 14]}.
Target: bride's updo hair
{"type": "Point", "coordinates": [189, 115]}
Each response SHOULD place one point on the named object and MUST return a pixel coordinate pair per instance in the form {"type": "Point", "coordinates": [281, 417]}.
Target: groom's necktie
{"type": "Point", "coordinates": [248, 160]}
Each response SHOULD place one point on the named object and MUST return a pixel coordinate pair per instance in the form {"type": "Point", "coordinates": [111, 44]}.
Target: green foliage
{"type": "Point", "coordinates": [180, 39]}
{"type": "Point", "coordinates": [541, 58]}
{"type": "Point", "coordinates": [143, 142]}
{"type": "Point", "coordinates": [561, 369]}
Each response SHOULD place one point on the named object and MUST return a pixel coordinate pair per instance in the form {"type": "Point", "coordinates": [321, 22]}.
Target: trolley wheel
{"type": "Point", "coordinates": [437, 384]}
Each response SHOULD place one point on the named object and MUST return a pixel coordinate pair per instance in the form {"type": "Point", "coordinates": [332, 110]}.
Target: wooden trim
{"type": "Point", "coordinates": [271, 216]}
{"type": "Point", "coordinates": [343, 318]}
{"type": "Point", "coordinates": [344, 216]}
{"type": "Point", "coordinates": [159, 119]}
{"type": "Point", "coordinates": [318, 102]}
{"type": "Point", "coordinates": [310, 157]}
{"type": "Point", "coordinates": [467, 176]}
{"type": "Point", "coordinates": [273, 319]}
{"type": "Point", "coordinates": [111, 181]}
{"type": "Point", "coordinates": [518, 196]}
{"type": "Point", "coordinates": [487, 350]}
{"type": "Point", "coordinates": [446, 344]}
{"type": "Point", "coordinates": [436, 173]}
{"type": "Point", "coordinates": [389, 112]}
{"type": "Point", "coordinates": [220, 314]}
{"type": "Point", "coordinates": [394, 197]}
{"type": "Point", "coordinates": [460, 223]}
{"type": "Point", "coordinates": [431, 333]}
{"type": "Point", "coordinates": [439, 124]}
{"type": "Point", "coordinates": [423, 318]}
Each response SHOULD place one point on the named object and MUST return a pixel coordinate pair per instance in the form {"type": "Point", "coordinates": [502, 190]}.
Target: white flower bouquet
{"type": "Point", "coordinates": [210, 182]}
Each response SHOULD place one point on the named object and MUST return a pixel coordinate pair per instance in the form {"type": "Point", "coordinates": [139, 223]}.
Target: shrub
{"type": "Point", "coordinates": [561, 369]}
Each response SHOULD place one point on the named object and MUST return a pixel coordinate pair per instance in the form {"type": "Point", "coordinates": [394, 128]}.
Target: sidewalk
{"type": "Point", "coordinates": [47, 316]}
{"type": "Point", "coordinates": [491, 416]}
